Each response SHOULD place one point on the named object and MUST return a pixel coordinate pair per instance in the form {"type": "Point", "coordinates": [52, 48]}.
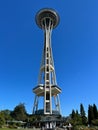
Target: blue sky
{"type": "Point", "coordinates": [75, 52]}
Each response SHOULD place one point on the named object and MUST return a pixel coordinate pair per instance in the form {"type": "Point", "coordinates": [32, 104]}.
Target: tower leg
{"type": "Point", "coordinates": [35, 107]}
{"type": "Point", "coordinates": [57, 102]}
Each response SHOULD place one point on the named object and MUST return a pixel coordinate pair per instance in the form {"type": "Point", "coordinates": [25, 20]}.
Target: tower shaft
{"type": "Point", "coordinates": [49, 72]}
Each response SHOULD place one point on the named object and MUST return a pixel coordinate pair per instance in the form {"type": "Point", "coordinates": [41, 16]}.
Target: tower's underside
{"type": "Point", "coordinates": [47, 87]}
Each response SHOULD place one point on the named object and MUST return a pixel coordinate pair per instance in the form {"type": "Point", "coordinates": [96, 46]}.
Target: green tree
{"type": "Point", "coordinates": [83, 115]}
{"type": "Point", "coordinates": [95, 111]}
{"type": "Point", "coordinates": [82, 111]}
{"type": "Point", "coordinates": [77, 113]}
{"type": "Point", "coordinates": [90, 114]}
{"type": "Point", "coordinates": [7, 114]}
{"type": "Point", "coordinates": [73, 114]}
{"type": "Point", "coordinates": [75, 118]}
{"type": "Point", "coordinates": [2, 120]}
{"type": "Point", "coordinates": [19, 113]}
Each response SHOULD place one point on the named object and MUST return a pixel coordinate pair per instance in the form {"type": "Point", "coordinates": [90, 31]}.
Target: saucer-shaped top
{"type": "Point", "coordinates": [47, 14]}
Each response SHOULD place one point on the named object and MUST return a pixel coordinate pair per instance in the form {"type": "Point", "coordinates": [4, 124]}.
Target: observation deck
{"type": "Point", "coordinates": [46, 15]}
{"type": "Point", "coordinates": [39, 90]}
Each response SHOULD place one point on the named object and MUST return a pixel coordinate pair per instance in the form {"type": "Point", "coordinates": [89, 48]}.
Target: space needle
{"type": "Point", "coordinates": [47, 89]}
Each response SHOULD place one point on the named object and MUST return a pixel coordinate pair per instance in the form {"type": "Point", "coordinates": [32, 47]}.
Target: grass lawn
{"type": "Point", "coordinates": [7, 129]}
{"type": "Point", "coordinates": [19, 129]}
{"type": "Point", "coordinates": [10, 129]}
